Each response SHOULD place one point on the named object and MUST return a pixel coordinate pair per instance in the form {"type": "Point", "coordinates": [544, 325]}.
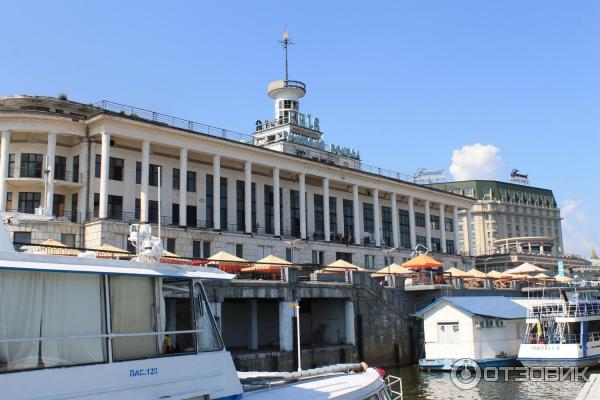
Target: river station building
{"type": "Point", "coordinates": [96, 169]}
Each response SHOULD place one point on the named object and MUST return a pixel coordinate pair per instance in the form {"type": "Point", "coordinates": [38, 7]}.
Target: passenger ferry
{"type": "Point", "coordinates": [87, 328]}
{"type": "Point", "coordinates": [562, 332]}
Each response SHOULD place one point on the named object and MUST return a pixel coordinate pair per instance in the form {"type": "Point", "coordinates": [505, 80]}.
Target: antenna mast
{"type": "Point", "coordinates": [285, 44]}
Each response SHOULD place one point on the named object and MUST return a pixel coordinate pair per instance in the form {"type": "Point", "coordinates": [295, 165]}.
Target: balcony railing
{"type": "Point", "coordinates": [197, 127]}
{"type": "Point", "coordinates": [59, 175]}
{"type": "Point", "coordinates": [572, 310]}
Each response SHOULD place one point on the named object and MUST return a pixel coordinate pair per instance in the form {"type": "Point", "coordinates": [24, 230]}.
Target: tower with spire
{"type": "Point", "coordinates": [294, 132]}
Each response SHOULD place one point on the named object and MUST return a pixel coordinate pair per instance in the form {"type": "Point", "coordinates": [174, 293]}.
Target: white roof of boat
{"type": "Point", "coordinates": [343, 385]}
{"type": "Point", "coordinates": [50, 263]}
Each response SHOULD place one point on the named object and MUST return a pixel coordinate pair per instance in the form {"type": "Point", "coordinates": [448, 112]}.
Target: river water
{"type": "Point", "coordinates": [423, 385]}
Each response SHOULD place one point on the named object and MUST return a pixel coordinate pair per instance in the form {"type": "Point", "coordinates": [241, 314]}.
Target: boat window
{"type": "Point", "coordinates": [208, 335]}
{"type": "Point", "coordinates": [178, 315]}
{"type": "Point", "coordinates": [133, 311]}
{"type": "Point", "coordinates": [37, 306]}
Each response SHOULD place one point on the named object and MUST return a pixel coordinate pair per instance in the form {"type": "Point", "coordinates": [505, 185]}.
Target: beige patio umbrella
{"type": "Point", "coordinates": [110, 251]}
{"type": "Point", "coordinates": [392, 269]}
{"type": "Point", "coordinates": [340, 266]}
{"type": "Point", "coordinates": [475, 273]}
{"type": "Point", "coordinates": [563, 279]}
{"type": "Point", "coordinates": [456, 273]}
{"type": "Point", "coordinates": [498, 275]}
{"type": "Point", "coordinates": [268, 264]}
{"type": "Point", "coordinates": [57, 248]}
{"type": "Point", "coordinates": [541, 275]}
{"type": "Point", "coordinates": [227, 262]}
{"type": "Point", "coordinates": [525, 268]}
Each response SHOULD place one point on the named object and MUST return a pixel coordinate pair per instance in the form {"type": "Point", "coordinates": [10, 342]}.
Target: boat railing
{"type": "Point", "coordinates": [393, 386]}
{"type": "Point", "coordinates": [567, 338]}
{"type": "Point", "coordinates": [570, 310]}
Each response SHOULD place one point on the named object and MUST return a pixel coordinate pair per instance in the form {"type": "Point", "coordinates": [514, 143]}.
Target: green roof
{"type": "Point", "coordinates": [497, 190]}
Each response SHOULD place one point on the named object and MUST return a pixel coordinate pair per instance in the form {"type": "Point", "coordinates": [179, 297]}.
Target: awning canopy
{"type": "Point", "coordinates": [108, 250]}
{"type": "Point", "coordinates": [223, 256]}
{"type": "Point", "coordinates": [422, 261]}
{"type": "Point", "coordinates": [563, 279]}
{"type": "Point", "coordinates": [541, 275]}
{"type": "Point", "coordinates": [498, 275]}
{"type": "Point", "coordinates": [393, 269]}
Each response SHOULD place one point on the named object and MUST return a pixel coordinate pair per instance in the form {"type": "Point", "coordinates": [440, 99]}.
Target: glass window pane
{"type": "Point", "coordinates": [208, 337]}
{"type": "Point", "coordinates": [177, 316]}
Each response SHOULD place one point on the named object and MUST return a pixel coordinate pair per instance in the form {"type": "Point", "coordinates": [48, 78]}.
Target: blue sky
{"type": "Point", "coordinates": [406, 83]}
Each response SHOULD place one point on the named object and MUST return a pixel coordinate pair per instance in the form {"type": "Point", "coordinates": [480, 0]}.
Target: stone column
{"type": "Point", "coordinates": [104, 163]}
{"type": "Point", "coordinates": [411, 222]}
{"type": "Point", "coordinates": [217, 192]}
{"type": "Point", "coordinates": [4, 155]}
{"type": "Point", "coordinates": [349, 314]}
{"type": "Point", "coordinates": [248, 196]}
{"type": "Point", "coordinates": [183, 164]}
{"type": "Point", "coordinates": [145, 182]}
{"type": "Point", "coordinates": [395, 221]}
{"type": "Point", "coordinates": [377, 217]}
{"type": "Point", "coordinates": [469, 233]}
{"type": "Point", "coordinates": [443, 228]}
{"type": "Point", "coordinates": [326, 221]}
{"type": "Point", "coordinates": [253, 334]}
{"type": "Point", "coordinates": [50, 157]}
{"type": "Point", "coordinates": [286, 330]}
{"type": "Point", "coordinates": [276, 203]}
{"type": "Point", "coordinates": [428, 224]}
{"type": "Point", "coordinates": [355, 211]}
{"type": "Point", "coordinates": [455, 229]}
{"type": "Point", "coordinates": [302, 194]}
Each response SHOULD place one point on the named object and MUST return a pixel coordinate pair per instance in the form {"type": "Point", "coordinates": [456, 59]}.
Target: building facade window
{"type": "Point", "coordinates": [295, 213]}
{"type": "Point", "coordinates": [436, 245]}
{"type": "Point", "coordinates": [340, 255]}
{"type": "Point", "coordinates": [96, 208]}
{"type": "Point", "coordinates": [210, 223]}
{"type": "Point", "coordinates": [175, 214]}
{"type": "Point", "coordinates": [153, 211]}
{"type": "Point", "coordinates": [75, 168]}
{"type": "Point", "coordinates": [74, 207]}
{"type": "Point", "coordinates": [368, 221]}
{"type": "Point", "coordinates": [319, 222]}
{"type": "Point", "coordinates": [67, 239]}
{"type": "Point", "coordinates": [404, 229]}
{"type": "Point", "coordinates": [58, 205]}
{"type": "Point", "coordinates": [450, 246]}
{"type": "Point", "coordinates": [348, 219]}
{"type": "Point", "coordinates": [60, 167]}
{"type": "Point", "coordinates": [11, 165]}
{"type": "Point", "coordinates": [239, 250]}
{"type": "Point", "coordinates": [9, 201]}
{"type": "Point", "coordinates": [97, 165]}
{"type": "Point", "coordinates": [175, 178]}
{"type": "Point", "coordinates": [317, 257]}
{"type": "Point", "coordinates": [153, 174]}
{"type": "Point", "coordinates": [333, 228]}
{"type": "Point", "coordinates": [115, 169]}
{"type": "Point", "coordinates": [369, 261]}
{"type": "Point", "coordinates": [29, 201]}
{"type": "Point", "coordinates": [171, 245]}
{"type": "Point", "coordinates": [449, 224]}
{"type": "Point", "coordinates": [21, 239]}
{"type": "Point", "coordinates": [196, 249]}
{"type": "Point", "coordinates": [191, 216]}
{"type": "Point", "coordinates": [223, 203]}
{"type": "Point", "coordinates": [137, 209]}
{"type": "Point", "coordinates": [240, 196]}
{"type": "Point", "coordinates": [435, 222]}
{"type": "Point", "coordinates": [115, 207]}
{"type": "Point", "coordinates": [422, 240]}
{"type": "Point", "coordinates": [420, 219]}
{"type": "Point", "coordinates": [386, 226]}
{"type": "Point", "coordinates": [191, 181]}
{"type": "Point", "coordinates": [31, 165]}
{"type": "Point", "coordinates": [138, 173]}
{"type": "Point", "coordinates": [269, 206]}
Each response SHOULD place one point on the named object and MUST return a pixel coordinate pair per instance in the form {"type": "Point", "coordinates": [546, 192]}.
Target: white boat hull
{"type": "Point", "coordinates": [557, 355]}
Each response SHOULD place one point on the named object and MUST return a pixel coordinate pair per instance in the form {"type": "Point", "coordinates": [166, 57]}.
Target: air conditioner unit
{"type": "Point", "coordinates": [481, 324]}
{"type": "Point", "coordinates": [501, 323]}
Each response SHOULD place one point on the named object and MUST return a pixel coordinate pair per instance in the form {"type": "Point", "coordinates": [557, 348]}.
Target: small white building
{"type": "Point", "coordinates": [486, 329]}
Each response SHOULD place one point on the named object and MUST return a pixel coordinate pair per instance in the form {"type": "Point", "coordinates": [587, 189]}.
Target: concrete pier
{"type": "Point", "coordinates": [355, 320]}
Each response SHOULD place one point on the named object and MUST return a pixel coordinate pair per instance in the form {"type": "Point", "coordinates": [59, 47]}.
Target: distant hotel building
{"type": "Point", "coordinates": [509, 217]}
{"type": "Point", "coordinates": [250, 195]}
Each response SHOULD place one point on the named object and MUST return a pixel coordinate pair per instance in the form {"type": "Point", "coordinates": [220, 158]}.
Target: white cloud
{"type": "Point", "coordinates": [580, 235]}
{"type": "Point", "coordinates": [476, 161]}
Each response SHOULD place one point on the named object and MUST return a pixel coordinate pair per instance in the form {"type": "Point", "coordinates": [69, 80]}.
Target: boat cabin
{"type": "Point", "coordinates": [124, 329]}
{"type": "Point", "coordinates": [482, 328]}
